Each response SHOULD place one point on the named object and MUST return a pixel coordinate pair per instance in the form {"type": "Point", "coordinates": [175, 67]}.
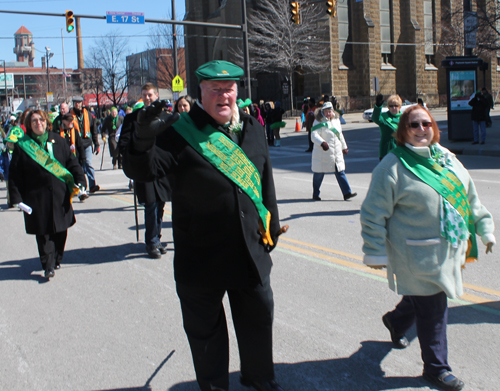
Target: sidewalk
{"type": "Point", "coordinates": [490, 148]}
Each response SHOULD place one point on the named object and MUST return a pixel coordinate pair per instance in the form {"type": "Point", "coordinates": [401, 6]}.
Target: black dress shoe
{"type": "Point", "coordinates": [57, 267]}
{"type": "Point", "coordinates": [49, 273]}
{"type": "Point", "coordinates": [162, 249]}
{"type": "Point", "coordinates": [270, 385]}
{"type": "Point", "coordinates": [349, 196]}
{"type": "Point", "coordinates": [94, 188]}
{"type": "Point", "coordinates": [475, 142]}
{"type": "Point", "coordinates": [316, 198]}
{"type": "Point", "coordinates": [445, 381]}
{"type": "Point", "coordinates": [399, 340]}
{"type": "Point", "coordinates": [153, 252]}
{"type": "Point", "coordinates": [482, 142]}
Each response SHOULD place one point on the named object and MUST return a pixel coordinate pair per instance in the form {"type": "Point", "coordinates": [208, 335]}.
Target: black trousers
{"type": "Point", "coordinates": [431, 316]}
{"type": "Point", "coordinates": [51, 248]}
{"type": "Point", "coordinates": [205, 325]}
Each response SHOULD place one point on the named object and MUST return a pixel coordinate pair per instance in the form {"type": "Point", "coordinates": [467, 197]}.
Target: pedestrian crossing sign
{"type": "Point", "coordinates": [177, 84]}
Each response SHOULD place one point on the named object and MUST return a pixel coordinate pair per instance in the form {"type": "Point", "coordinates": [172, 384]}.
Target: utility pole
{"type": "Point", "coordinates": [246, 57]}
{"type": "Point", "coordinates": [5, 80]}
{"type": "Point", "coordinates": [174, 40]}
{"type": "Point", "coordinates": [64, 67]}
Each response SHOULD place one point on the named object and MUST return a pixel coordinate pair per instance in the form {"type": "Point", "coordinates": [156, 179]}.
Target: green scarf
{"type": "Point", "coordinates": [445, 183]}
{"type": "Point", "coordinates": [230, 160]}
{"type": "Point", "coordinates": [114, 122]}
{"type": "Point", "coordinates": [41, 140]}
{"type": "Point", "coordinates": [47, 160]}
{"type": "Point", "coordinates": [393, 120]}
{"type": "Point", "coordinates": [330, 127]}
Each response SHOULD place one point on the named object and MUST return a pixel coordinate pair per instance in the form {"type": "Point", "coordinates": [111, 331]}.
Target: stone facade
{"type": "Point", "coordinates": [407, 70]}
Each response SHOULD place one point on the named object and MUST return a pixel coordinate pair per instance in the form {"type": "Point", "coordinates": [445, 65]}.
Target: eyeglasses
{"type": "Point", "coordinates": [394, 106]}
{"type": "Point", "coordinates": [35, 120]}
{"type": "Point", "coordinates": [222, 91]}
{"type": "Point", "coordinates": [424, 124]}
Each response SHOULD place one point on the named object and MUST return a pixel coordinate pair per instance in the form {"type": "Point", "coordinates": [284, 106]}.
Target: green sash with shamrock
{"type": "Point", "coordinates": [48, 161]}
{"type": "Point", "coordinates": [446, 184]}
{"type": "Point", "coordinates": [230, 160]}
{"type": "Point", "coordinates": [328, 125]}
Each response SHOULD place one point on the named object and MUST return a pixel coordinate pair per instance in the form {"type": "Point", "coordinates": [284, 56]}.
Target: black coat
{"type": "Point", "coordinates": [479, 106]}
{"type": "Point", "coordinates": [48, 196]}
{"type": "Point", "coordinates": [215, 224]}
{"type": "Point", "coordinates": [107, 126]}
{"type": "Point", "coordinates": [93, 139]}
{"type": "Point", "coordinates": [158, 189]}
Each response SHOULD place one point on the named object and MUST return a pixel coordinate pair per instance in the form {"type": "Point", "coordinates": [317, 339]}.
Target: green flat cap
{"type": "Point", "coordinates": [218, 70]}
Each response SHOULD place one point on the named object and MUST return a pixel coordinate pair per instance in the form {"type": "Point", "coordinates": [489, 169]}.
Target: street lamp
{"type": "Point", "coordinates": [48, 55]}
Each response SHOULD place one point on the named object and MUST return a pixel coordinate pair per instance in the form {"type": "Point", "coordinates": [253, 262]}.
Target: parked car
{"type": "Point", "coordinates": [367, 114]}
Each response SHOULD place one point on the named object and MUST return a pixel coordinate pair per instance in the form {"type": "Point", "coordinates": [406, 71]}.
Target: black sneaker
{"type": "Point", "coordinates": [162, 249]}
{"type": "Point", "coordinates": [399, 340]}
{"type": "Point", "coordinates": [94, 188]}
{"type": "Point", "coordinates": [475, 142]}
{"type": "Point", "coordinates": [446, 381]}
{"type": "Point", "coordinates": [153, 252]}
{"type": "Point", "coordinates": [270, 385]}
{"type": "Point", "coordinates": [49, 273]}
{"type": "Point", "coordinates": [349, 196]}
{"type": "Point", "coordinates": [316, 198]}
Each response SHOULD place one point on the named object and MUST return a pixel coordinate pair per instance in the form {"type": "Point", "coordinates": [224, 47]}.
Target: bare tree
{"type": "Point", "coordinates": [454, 29]}
{"type": "Point", "coordinates": [162, 42]}
{"type": "Point", "coordinates": [109, 53]}
{"type": "Point", "coordinates": [276, 44]}
{"type": "Point", "coordinates": [93, 76]}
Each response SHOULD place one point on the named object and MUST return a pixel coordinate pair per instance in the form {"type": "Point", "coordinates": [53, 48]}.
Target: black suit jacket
{"type": "Point", "coordinates": [154, 190]}
{"type": "Point", "coordinates": [215, 224]}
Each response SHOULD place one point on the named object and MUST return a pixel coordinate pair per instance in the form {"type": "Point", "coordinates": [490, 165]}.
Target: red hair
{"type": "Point", "coordinates": [402, 134]}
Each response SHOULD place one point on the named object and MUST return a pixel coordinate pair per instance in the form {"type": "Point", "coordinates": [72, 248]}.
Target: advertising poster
{"type": "Point", "coordinates": [462, 89]}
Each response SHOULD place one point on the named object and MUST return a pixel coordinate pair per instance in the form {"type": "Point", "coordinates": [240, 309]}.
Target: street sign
{"type": "Point", "coordinates": [10, 81]}
{"type": "Point", "coordinates": [125, 17]}
{"type": "Point", "coordinates": [177, 84]}
{"type": "Point", "coordinates": [50, 97]}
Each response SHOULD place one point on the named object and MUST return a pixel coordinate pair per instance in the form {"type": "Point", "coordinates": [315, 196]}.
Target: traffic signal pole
{"type": "Point", "coordinates": [242, 28]}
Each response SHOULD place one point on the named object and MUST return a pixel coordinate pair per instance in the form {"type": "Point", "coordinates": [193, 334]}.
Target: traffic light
{"type": "Point", "coordinates": [331, 8]}
{"type": "Point", "coordinates": [295, 12]}
{"type": "Point", "coordinates": [70, 21]}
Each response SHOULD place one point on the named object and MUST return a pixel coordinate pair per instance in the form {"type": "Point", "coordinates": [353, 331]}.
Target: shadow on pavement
{"type": "Point", "coordinates": [323, 213]}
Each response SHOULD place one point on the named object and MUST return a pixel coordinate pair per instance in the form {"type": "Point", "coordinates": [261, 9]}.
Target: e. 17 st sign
{"type": "Point", "coordinates": [125, 17]}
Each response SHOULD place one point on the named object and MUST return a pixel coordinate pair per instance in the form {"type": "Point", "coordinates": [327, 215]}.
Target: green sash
{"type": "Point", "coordinates": [446, 184]}
{"type": "Point", "coordinates": [48, 161]}
{"type": "Point", "coordinates": [329, 126]}
{"type": "Point", "coordinates": [231, 161]}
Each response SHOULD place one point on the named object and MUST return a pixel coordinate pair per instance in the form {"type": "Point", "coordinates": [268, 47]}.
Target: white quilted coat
{"type": "Point", "coordinates": [325, 161]}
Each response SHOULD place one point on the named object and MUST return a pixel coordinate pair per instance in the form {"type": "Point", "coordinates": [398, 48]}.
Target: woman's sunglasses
{"type": "Point", "coordinates": [425, 124]}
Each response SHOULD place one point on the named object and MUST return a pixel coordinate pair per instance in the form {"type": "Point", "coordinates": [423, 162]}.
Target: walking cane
{"type": "Point", "coordinates": [102, 157]}
{"type": "Point", "coordinates": [135, 212]}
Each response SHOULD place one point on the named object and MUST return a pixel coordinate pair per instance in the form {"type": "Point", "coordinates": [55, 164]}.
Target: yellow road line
{"type": "Point", "coordinates": [381, 273]}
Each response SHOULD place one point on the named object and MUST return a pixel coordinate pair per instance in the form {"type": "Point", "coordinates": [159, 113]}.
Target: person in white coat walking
{"type": "Point", "coordinates": [329, 150]}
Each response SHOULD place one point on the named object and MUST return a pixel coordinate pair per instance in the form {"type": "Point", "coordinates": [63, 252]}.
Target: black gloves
{"type": "Point", "coordinates": [325, 146]}
{"type": "Point", "coordinates": [379, 100]}
{"type": "Point", "coordinates": [2, 178]}
{"type": "Point", "coordinates": [153, 120]}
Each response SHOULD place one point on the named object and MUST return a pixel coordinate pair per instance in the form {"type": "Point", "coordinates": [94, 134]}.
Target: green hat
{"type": "Point", "coordinates": [242, 103]}
{"type": "Point", "coordinates": [218, 70]}
{"type": "Point", "coordinates": [15, 134]}
{"type": "Point", "coordinates": [139, 105]}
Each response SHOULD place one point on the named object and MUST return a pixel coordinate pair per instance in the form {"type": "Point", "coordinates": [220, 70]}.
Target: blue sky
{"type": "Point", "coordinates": [46, 30]}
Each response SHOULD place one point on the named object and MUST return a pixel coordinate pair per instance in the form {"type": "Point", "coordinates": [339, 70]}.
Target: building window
{"type": "Point", "coordinates": [429, 27]}
{"type": "Point", "coordinates": [343, 12]}
{"type": "Point", "coordinates": [385, 31]}
{"type": "Point", "coordinates": [430, 59]}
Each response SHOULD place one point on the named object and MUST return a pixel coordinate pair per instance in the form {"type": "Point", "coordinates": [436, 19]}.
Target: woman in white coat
{"type": "Point", "coordinates": [329, 150]}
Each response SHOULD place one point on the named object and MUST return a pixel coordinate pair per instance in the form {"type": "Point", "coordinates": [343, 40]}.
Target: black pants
{"type": "Point", "coordinates": [431, 315]}
{"type": "Point", "coordinates": [51, 248]}
{"type": "Point", "coordinates": [205, 325]}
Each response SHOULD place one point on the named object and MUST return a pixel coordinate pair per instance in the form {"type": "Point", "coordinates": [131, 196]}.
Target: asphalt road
{"type": "Point", "coordinates": [110, 319]}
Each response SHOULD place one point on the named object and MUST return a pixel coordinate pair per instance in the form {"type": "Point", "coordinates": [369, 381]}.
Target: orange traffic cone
{"type": "Point", "coordinates": [297, 125]}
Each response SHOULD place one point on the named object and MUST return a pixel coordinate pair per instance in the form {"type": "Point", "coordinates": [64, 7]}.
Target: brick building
{"type": "Point", "coordinates": [396, 41]}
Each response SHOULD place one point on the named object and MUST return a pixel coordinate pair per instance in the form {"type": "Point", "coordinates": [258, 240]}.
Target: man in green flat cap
{"type": "Point", "coordinates": [224, 220]}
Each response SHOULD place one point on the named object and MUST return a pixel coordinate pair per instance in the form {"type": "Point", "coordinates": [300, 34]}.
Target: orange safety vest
{"type": "Point", "coordinates": [62, 132]}
{"type": "Point", "coordinates": [86, 123]}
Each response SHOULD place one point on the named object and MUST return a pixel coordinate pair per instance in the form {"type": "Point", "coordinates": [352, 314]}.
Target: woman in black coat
{"type": "Point", "coordinates": [48, 196]}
